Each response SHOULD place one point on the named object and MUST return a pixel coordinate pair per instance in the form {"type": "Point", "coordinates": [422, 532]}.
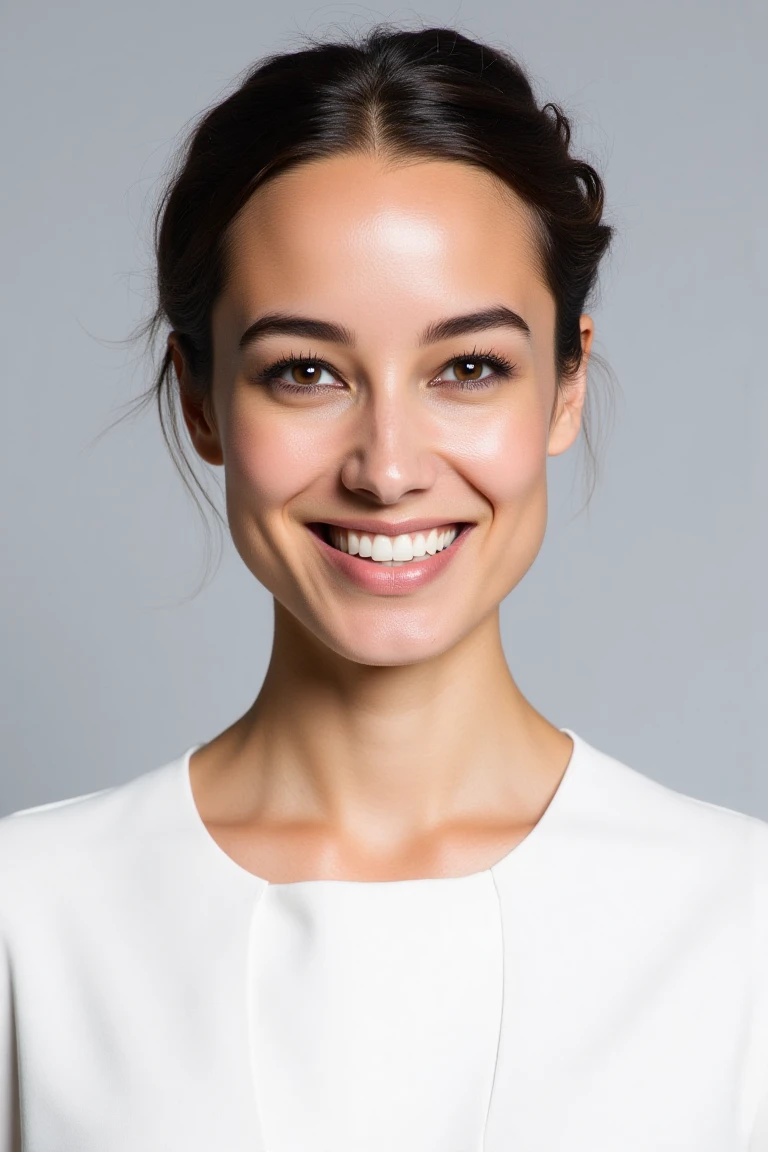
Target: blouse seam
{"type": "Point", "coordinates": [501, 1011]}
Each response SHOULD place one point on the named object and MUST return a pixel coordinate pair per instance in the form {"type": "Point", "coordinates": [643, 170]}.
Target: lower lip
{"type": "Point", "coordinates": [391, 580]}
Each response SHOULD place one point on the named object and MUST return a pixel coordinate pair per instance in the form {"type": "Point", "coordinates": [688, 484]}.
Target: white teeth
{"type": "Point", "coordinates": [382, 548]}
{"type": "Point", "coordinates": [392, 549]}
{"type": "Point", "coordinates": [402, 548]}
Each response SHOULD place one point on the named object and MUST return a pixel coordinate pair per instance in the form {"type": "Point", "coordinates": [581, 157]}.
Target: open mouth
{"type": "Point", "coordinates": [391, 551]}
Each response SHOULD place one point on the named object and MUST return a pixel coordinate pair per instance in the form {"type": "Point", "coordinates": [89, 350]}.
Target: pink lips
{"type": "Point", "coordinates": [397, 579]}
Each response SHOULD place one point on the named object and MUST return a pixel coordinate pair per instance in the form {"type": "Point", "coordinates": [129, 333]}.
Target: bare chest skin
{"type": "Point", "coordinates": [287, 852]}
{"type": "Point", "coordinates": [293, 854]}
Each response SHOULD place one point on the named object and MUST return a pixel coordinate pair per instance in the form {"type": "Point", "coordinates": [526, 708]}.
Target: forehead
{"type": "Point", "coordinates": [356, 233]}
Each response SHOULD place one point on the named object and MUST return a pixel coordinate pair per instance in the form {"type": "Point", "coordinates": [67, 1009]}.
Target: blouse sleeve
{"type": "Point", "coordinates": [10, 1134]}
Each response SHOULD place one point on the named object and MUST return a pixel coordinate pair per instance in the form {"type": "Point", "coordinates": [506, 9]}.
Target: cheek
{"type": "Point", "coordinates": [506, 458]}
{"type": "Point", "coordinates": [270, 457]}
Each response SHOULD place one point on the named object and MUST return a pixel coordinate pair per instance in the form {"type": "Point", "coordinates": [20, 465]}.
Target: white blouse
{"type": "Point", "coordinates": [604, 986]}
{"type": "Point", "coordinates": [376, 1013]}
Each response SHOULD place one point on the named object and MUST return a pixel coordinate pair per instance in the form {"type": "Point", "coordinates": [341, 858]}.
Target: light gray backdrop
{"type": "Point", "coordinates": [642, 624]}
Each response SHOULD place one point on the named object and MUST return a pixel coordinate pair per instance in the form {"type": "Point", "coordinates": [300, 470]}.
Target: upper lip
{"type": "Point", "coordinates": [391, 527]}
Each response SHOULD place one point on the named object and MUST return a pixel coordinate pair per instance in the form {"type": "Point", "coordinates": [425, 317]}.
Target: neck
{"type": "Point", "coordinates": [387, 753]}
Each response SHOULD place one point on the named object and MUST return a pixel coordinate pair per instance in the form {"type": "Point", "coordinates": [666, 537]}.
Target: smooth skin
{"type": "Point", "coordinates": [389, 740]}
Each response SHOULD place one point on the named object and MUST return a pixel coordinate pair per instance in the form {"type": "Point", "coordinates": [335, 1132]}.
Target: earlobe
{"type": "Point", "coordinates": [567, 421]}
{"type": "Point", "coordinates": [196, 412]}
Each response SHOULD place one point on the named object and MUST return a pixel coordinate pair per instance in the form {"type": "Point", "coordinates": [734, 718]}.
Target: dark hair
{"type": "Point", "coordinates": [432, 93]}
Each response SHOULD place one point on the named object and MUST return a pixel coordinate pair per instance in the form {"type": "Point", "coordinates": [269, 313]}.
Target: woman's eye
{"type": "Point", "coordinates": [305, 373]}
{"type": "Point", "coordinates": [298, 375]}
{"type": "Point", "coordinates": [469, 369]}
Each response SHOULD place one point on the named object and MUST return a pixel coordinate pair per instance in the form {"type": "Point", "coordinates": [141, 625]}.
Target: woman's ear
{"type": "Point", "coordinates": [566, 418]}
{"type": "Point", "coordinates": [197, 411]}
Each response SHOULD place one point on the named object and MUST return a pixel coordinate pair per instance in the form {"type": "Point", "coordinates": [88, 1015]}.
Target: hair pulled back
{"type": "Point", "coordinates": [432, 93]}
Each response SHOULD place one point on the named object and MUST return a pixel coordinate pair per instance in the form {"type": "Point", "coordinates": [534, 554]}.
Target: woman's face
{"type": "Point", "coordinates": [421, 403]}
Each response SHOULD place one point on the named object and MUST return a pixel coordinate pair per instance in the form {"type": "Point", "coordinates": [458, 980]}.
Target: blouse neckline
{"type": "Point", "coordinates": [517, 855]}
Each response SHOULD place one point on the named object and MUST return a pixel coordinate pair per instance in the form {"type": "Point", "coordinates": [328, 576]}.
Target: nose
{"type": "Point", "coordinates": [391, 454]}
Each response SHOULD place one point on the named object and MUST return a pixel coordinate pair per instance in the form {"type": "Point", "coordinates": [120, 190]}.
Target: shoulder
{"type": "Point", "coordinates": [91, 818]}
{"type": "Point", "coordinates": [66, 845]}
{"type": "Point", "coordinates": [614, 791]}
{"type": "Point", "coordinates": [671, 857]}
{"type": "Point", "coordinates": [657, 835]}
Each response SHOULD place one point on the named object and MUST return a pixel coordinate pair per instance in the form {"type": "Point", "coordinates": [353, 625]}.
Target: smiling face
{"type": "Point", "coordinates": [394, 423]}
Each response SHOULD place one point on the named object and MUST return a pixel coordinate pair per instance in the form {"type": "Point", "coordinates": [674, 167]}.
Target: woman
{"type": "Point", "coordinates": [392, 907]}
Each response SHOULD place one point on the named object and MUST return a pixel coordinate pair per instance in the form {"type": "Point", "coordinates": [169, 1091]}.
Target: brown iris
{"type": "Point", "coordinates": [468, 369]}
{"type": "Point", "coordinates": [305, 373]}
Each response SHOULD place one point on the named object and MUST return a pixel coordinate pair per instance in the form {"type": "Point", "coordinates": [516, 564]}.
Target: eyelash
{"type": "Point", "coordinates": [502, 369]}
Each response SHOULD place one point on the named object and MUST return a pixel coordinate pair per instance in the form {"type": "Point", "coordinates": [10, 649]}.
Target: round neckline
{"type": "Point", "coordinates": [521, 850]}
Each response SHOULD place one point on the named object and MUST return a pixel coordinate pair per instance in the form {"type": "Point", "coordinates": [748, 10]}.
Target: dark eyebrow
{"type": "Point", "coordinates": [283, 324]}
{"type": "Point", "coordinates": [497, 317]}
{"type": "Point", "coordinates": [279, 323]}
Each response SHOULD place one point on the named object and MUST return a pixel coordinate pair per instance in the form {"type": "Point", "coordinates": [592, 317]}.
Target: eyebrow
{"type": "Point", "coordinates": [284, 324]}
{"type": "Point", "coordinates": [497, 317]}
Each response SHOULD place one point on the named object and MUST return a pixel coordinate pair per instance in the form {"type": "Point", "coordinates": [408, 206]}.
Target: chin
{"type": "Point", "coordinates": [386, 639]}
